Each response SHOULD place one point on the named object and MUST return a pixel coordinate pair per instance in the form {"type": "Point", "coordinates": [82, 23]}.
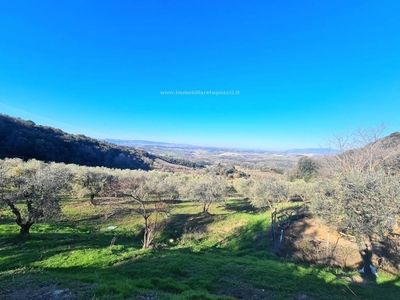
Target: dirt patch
{"type": "Point", "coordinates": [239, 289]}
{"type": "Point", "coordinates": [29, 290]}
{"type": "Point", "coordinates": [309, 240]}
{"type": "Point", "coordinates": [37, 292]}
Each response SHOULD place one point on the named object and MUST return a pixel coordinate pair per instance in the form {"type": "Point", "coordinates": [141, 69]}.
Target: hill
{"type": "Point", "coordinates": [26, 140]}
{"type": "Point", "coordinates": [313, 151]}
{"type": "Point", "coordinates": [154, 146]}
{"type": "Point", "coordinates": [142, 143]}
{"type": "Point", "coordinates": [390, 152]}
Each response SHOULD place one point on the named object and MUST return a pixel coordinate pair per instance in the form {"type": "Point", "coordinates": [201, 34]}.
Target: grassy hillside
{"type": "Point", "coordinates": [224, 255]}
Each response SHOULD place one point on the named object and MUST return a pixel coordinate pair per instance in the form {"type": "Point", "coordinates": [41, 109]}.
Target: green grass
{"type": "Point", "coordinates": [200, 257]}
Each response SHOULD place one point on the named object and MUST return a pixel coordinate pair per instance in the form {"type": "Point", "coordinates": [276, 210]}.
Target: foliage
{"type": "Point", "coordinates": [206, 189]}
{"type": "Point", "coordinates": [227, 171]}
{"type": "Point", "coordinates": [301, 189]}
{"type": "Point", "coordinates": [183, 162]}
{"type": "Point", "coordinates": [306, 168]}
{"type": "Point", "coordinates": [263, 192]}
{"type": "Point", "coordinates": [361, 204]}
{"type": "Point", "coordinates": [92, 182]}
{"type": "Point", "coordinates": [35, 185]}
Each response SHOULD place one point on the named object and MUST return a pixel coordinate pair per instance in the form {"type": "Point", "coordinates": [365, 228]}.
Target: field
{"type": "Point", "coordinates": [224, 255]}
{"type": "Point", "coordinates": [249, 159]}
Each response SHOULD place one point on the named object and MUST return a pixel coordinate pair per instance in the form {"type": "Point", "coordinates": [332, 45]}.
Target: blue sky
{"type": "Point", "coordinates": [304, 69]}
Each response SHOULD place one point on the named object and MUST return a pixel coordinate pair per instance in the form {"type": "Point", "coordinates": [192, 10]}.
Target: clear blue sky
{"type": "Point", "coordinates": [304, 69]}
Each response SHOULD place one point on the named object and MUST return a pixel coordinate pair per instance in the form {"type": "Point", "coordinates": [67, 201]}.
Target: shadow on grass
{"type": "Point", "coordinates": [20, 251]}
{"type": "Point", "coordinates": [242, 206]}
{"type": "Point", "coordinates": [213, 274]}
{"type": "Point", "coordinates": [239, 268]}
{"type": "Point", "coordinates": [251, 238]}
{"type": "Point", "coordinates": [179, 224]}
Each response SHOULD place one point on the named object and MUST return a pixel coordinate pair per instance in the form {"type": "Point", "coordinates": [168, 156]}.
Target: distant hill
{"type": "Point", "coordinates": [25, 139]}
{"type": "Point", "coordinates": [381, 154]}
{"type": "Point", "coordinates": [391, 141]}
{"type": "Point", "coordinates": [389, 158]}
{"type": "Point", "coordinates": [313, 151]}
{"type": "Point", "coordinates": [149, 145]}
{"type": "Point", "coordinates": [140, 143]}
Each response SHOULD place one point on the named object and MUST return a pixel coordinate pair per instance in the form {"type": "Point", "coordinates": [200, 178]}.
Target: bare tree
{"type": "Point", "coordinates": [361, 151]}
{"type": "Point", "coordinates": [148, 206]}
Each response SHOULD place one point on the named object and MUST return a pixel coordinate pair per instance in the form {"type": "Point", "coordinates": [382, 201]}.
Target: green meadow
{"type": "Point", "coordinates": [223, 255]}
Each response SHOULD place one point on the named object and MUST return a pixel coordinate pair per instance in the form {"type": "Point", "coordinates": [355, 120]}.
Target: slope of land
{"type": "Point", "coordinates": [24, 139]}
{"type": "Point", "coordinates": [383, 153]}
{"type": "Point", "coordinates": [224, 256]}
{"type": "Point", "coordinates": [390, 156]}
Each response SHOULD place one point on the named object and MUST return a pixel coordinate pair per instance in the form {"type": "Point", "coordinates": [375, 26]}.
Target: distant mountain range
{"type": "Point", "coordinates": [315, 151]}
{"type": "Point", "coordinates": [152, 144]}
{"type": "Point", "coordinates": [138, 143]}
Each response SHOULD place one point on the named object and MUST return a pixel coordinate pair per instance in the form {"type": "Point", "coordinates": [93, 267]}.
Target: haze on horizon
{"type": "Point", "coordinates": [297, 72]}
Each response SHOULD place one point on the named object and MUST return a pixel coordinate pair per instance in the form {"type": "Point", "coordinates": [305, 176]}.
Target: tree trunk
{"type": "Point", "coordinates": [206, 206]}
{"type": "Point", "coordinates": [92, 199]}
{"type": "Point", "coordinates": [146, 233]}
{"type": "Point", "coordinates": [25, 228]}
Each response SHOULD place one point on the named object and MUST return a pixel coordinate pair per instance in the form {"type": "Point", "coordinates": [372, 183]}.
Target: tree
{"type": "Point", "coordinates": [3, 184]}
{"type": "Point", "coordinates": [361, 151]}
{"type": "Point", "coordinates": [92, 182]}
{"type": "Point", "coordinates": [206, 189]}
{"type": "Point", "coordinates": [36, 186]}
{"type": "Point", "coordinates": [306, 168]}
{"type": "Point", "coordinates": [302, 189]}
{"type": "Point", "coordinates": [149, 207]}
{"type": "Point", "coordinates": [267, 191]}
{"type": "Point", "coordinates": [242, 186]}
{"type": "Point", "coordinates": [362, 204]}
{"type": "Point", "coordinates": [164, 185]}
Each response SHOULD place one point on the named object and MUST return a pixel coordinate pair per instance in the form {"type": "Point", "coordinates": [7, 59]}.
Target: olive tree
{"type": "Point", "coordinates": [302, 189]}
{"type": "Point", "coordinates": [142, 190]}
{"type": "Point", "coordinates": [165, 185]}
{"type": "Point", "coordinates": [92, 181]}
{"type": "Point", "coordinates": [205, 189]}
{"type": "Point", "coordinates": [361, 204]}
{"type": "Point", "coordinates": [32, 191]}
{"type": "Point", "coordinates": [265, 192]}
